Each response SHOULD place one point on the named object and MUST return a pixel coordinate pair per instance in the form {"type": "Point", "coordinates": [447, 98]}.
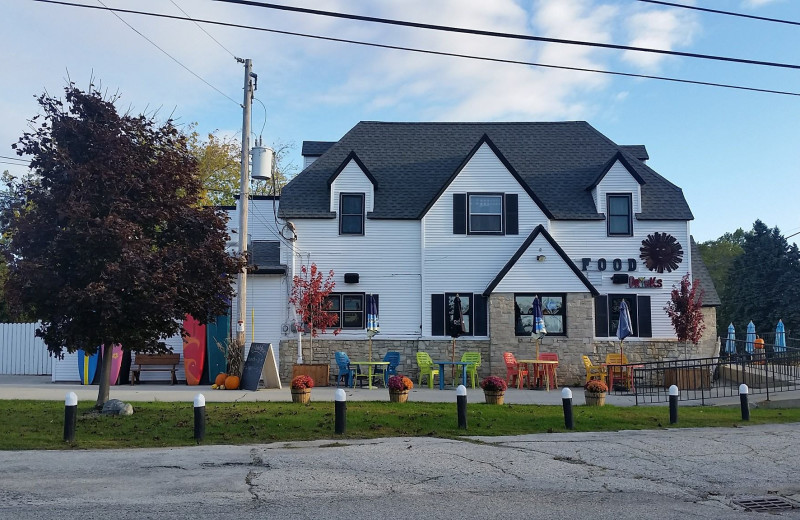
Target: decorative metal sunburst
{"type": "Point", "coordinates": [661, 252]}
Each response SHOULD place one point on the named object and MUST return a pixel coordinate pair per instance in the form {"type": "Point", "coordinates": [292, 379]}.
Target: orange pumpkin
{"type": "Point", "coordinates": [220, 379]}
{"type": "Point", "coordinates": [231, 382]}
{"type": "Point", "coordinates": [759, 343]}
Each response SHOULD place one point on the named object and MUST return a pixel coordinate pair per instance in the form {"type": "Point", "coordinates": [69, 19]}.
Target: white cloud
{"type": "Point", "coordinates": [658, 29]}
{"type": "Point", "coordinates": [759, 3]}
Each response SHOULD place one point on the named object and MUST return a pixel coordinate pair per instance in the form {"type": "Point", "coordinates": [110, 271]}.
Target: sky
{"type": "Point", "coordinates": [734, 153]}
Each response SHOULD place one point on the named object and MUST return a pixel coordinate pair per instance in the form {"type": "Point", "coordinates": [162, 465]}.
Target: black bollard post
{"type": "Point", "coordinates": [340, 408]}
{"type": "Point", "coordinates": [461, 403]}
{"type": "Point", "coordinates": [70, 416]}
{"type": "Point", "coordinates": [566, 400]}
{"type": "Point", "coordinates": [199, 417]}
{"type": "Point", "coordinates": [673, 404]}
{"type": "Point", "coordinates": [743, 391]}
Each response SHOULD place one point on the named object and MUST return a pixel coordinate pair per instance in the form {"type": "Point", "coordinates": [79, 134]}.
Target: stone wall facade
{"type": "Point", "coordinates": [578, 341]}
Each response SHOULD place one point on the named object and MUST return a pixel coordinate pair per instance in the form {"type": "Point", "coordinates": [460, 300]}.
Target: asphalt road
{"type": "Point", "coordinates": [666, 474]}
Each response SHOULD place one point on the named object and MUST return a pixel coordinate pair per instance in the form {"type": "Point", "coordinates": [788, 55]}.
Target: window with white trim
{"type": "Point", "coordinates": [349, 307]}
{"type": "Point", "coordinates": [351, 214]}
{"type": "Point", "coordinates": [620, 215]}
{"type": "Point", "coordinates": [485, 213]}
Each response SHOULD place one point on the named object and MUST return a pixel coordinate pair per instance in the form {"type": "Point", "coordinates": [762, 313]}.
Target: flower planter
{"type": "Point", "coordinates": [301, 395]}
{"type": "Point", "coordinates": [493, 396]}
{"type": "Point", "coordinates": [398, 397]}
{"type": "Point", "coordinates": [595, 398]}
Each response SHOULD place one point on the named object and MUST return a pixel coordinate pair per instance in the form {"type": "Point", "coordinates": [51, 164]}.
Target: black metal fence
{"type": "Point", "coordinates": [764, 372]}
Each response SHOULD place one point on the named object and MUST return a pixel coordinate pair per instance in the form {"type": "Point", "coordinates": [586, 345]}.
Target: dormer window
{"type": "Point", "coordinates": [351, 214]}
{"type": "Point", "coordinates": [620, 215]}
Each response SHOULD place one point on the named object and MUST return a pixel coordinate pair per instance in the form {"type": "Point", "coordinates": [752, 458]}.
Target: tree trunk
{"type": "Point", "coordinates": [105, 375]}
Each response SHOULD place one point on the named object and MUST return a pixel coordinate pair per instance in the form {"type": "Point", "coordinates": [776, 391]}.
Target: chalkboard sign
{"type": "Point", "coordinates": [251, 374]}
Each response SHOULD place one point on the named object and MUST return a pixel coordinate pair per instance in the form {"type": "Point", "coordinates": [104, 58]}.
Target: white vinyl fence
{"type": "Point", "coordinates": [21, 352]}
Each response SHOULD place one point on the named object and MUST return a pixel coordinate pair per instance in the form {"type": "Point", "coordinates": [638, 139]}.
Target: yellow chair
{"type": "Point", "coordinates": [594, 371]}
{"type": "Point", "coordinates": [622, 373]}
{"type": "Point", "coordinates": [474, 358]}
{"type": "Point", "coordinates": [425, 364]}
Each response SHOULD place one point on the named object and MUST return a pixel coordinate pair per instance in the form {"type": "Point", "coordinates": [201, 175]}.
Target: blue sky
{"type": "Point", "coordinates": [735, 154]}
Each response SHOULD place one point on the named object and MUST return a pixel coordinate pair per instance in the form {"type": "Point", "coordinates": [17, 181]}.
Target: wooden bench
{"type": "Point", "coordinates": [154, 363]}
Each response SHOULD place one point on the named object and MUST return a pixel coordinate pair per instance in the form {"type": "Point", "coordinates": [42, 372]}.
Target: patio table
{"type": "Point", "coordinates": [623, 372]}
{"type": "Point", "coordinates": [545, 365]}
{"type": "Point", "coordinates": [370, 369]}
{"type": "Point", "coordinates": [442, 364]}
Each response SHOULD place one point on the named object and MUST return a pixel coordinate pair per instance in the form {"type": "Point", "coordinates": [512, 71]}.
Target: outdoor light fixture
{"type": "Point", "coordinates": [541, 258]}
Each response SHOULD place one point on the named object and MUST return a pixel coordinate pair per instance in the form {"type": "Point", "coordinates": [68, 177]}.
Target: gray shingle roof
{"type": "Point", "coordinates": [700, 271]}
{"type": "Point", "coordinates": [637, 150]}
{"type": "Point", "coordinates": [412, 162]}
{"type": "Point", "coordinates": [266, 257]}
{"type": "Point", "coordinates": [315, 148]}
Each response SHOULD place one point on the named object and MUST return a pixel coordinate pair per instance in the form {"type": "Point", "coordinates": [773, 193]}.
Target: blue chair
{"type": "Point", "coordinates": [391, 369]}
{"type": "Point", "coordinates": [345, 370]}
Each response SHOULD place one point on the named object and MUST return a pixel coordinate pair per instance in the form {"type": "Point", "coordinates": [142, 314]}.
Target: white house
{"type": "Point", "coordinates": [417, 213]}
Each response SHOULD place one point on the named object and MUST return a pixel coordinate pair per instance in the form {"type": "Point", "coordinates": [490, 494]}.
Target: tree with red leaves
{"type": "Point", "coordinates": [685, 311]}
{"type": "Point", "coordinates": [309, 297]}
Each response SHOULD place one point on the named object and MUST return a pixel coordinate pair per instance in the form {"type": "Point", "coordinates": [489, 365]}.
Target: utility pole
{"type": "Point", "coordinates": [244, 200]}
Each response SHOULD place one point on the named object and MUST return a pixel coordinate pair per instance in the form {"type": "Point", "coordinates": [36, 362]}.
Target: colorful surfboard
{"type": "Point", "coordinates": [194, 350]}
{"type": "Point", "coordinates": [116, 363]}
{"type": "Point", "coordinates": [217, 333]}
{"type": "Point", "coordinates": [87, 366]}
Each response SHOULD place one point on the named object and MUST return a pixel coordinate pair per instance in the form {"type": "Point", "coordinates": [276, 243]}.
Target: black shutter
{"type": "Point", "coordinates": [459, 213]}
{"type": "Point", "coordinates": [512, 214]}
{"type": "Point", "coordinates": [645, 323]}
{"type": "Point", "coordinates": [601, 316]}
{"type": "Point", "coordinates": [437, 314]}
{"type": "Point", "coordinates": [479, 306]}
{"type": "Point", "coordinates": [632, 307]}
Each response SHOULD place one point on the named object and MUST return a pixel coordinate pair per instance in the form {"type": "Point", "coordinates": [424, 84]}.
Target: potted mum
{"type": "Point", "coordinates": [595, 392]}
{"type": "Point", "coordinates": [398, 388]}
{"type": "Point", "coordinates": [301, 389]}
{"type": "Point", "coordinates": [494, 389]}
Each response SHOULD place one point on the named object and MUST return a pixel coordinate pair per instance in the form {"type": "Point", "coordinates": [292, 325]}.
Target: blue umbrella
{"type": "Point", "coordinates": [373, 325]}
{"type": "Point", "coordinates": [751, 337]}
{"type": "Point", "coordinates": [624, 329]}
{"type": "Point", "coordinates": [538, 322]}
{"type": "Point", "coordinates": [730, 343]}
{"type": "Point", "coordinates": [780, 337]}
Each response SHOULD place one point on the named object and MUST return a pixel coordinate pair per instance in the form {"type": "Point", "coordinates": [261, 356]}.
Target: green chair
{"type": "Point", "coordinates": [472, 369]}
{"type": "Point", "coordinates": [425, 364]}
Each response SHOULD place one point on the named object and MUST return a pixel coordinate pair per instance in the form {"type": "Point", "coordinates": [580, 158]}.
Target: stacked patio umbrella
{"type": "Point", "coordinates": [373, 325]}
{"type": "Point", "coordinates": [624, 328]}
{"type": "Point", "coordinates": [730, 343]}
{"type": "Point", "coordinates": [456, 327]}
{"type": "Point", "coordinates": [750, 340]}
{"type": "Point", "coordinates": [780, 337]}
{"type": "Point", "coordinates": [538, 330]}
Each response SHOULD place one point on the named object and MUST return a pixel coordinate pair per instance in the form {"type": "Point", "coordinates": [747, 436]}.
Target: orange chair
{"type": "Point", "coordinates": [548, 372]}
{"type": "Point", "coordinates": [621, 373]}
{"type": "Point", "coordinates": [514, 372]}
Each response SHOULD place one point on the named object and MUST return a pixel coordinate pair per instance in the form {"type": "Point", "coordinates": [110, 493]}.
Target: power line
{"type": "Point", "coordinates": [12, 163]}
{"type": "Point", "coordinates": [438, 53]}
{"type": "Point", "coordinates": [717, 11]}
{"type": "Point", "coordinates": [513, 36]}
{"type": "Point", "coordinates": [207, 33]}
{"type": "Point", "coordinates": [12, 158]}
{"type": "Point", "coordinates": [112, 11]}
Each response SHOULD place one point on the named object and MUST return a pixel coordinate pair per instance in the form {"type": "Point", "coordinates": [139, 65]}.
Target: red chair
{"type": "Point", "coordinates": [513, 370]}
{"type": "Point", "coordinates": [548, 372]}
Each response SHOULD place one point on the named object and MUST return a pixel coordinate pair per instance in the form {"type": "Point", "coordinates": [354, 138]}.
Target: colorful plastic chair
{"type": "Point", "coordinates": [389, 370]}
{"type": "Point", "coordinates": [474, 358]}
{"type": "Point", "coordinates": [621, 373]}
{"type": "Point", "coordinates": [548, 372]}
{"type": "Point", "coordinates": [425, 364]}
{"type": "Point", "coordinates": [514, 372]}
{"type": "Point", "coordinates": [345, 370]}
{"type": "Point", "coordinates": [594, 371]}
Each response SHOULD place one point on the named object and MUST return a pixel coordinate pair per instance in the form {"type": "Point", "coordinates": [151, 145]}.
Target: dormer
{"type": "Point", "coordinates": [617, 193]}
{"type": "Point", "coordinates": [312, 150]}
{"type": "Point", "coordinates": [352, 195]}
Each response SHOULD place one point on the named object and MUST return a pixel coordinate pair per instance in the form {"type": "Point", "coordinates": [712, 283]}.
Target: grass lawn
{"type": "Point", "coordinates": [40, 424]}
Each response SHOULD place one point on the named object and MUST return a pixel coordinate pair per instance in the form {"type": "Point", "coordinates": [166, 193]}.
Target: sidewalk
{"type": "Point", "coordinates": [43, 389]}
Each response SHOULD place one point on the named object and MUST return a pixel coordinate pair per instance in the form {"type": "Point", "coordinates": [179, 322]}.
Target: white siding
{"type": "Point", "coordinates": [531, 275]}
{"type": "Point", "coordinates": [267, 311]}
{"type": "Point", "coordinates": [618, 180]}
{"type": "Point", "coordinates": [308, 160]}
{"type": "Point", "coordinates": [468, 263]}
{"type": "Point", "coordinates": [352, 180]}
{"type": "Point", "coordinates": [21, 352]}
{"type": "Point", "coordinates": [386, 258]}
{"type": "Point", "coordinates": [588, 240]}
